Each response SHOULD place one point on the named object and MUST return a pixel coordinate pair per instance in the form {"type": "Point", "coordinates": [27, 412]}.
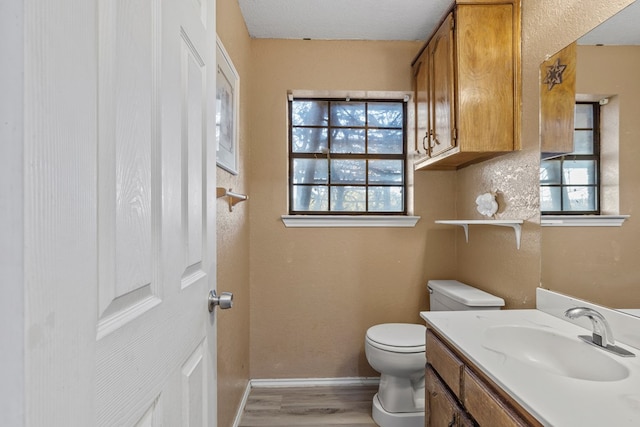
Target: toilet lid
{"type": "Point", "coordinates": [404, 336]}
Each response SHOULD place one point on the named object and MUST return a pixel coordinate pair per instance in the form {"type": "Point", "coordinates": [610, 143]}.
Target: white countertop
{"type": "Point", "coordinates": [553, 399]}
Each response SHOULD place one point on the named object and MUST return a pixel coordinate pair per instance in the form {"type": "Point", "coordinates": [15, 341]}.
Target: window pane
{"type": "Point", "coordinates": [385, 141]}
{"type": "Point", "coordinates": [348, 171]}
{"type": "Point", "coordinates": [579, 199]}
{"type": "Point", "coordinates": [386, 171]}
{"type": "Point", "coordinates": [570, 184]}
{"type": "Point", "coordinates": [386, 199]}
{"type": "Point", "coordinates": [310, 171]}
{"type": "Point", "coordinates": [385, 114]}
{"type": "Point", "coordinates": [347, 141]}
{"type": "Point", "coordinates": [347, 156]}
{"type": "Point", "coordinates": [583, 142]}
{"type": "Point", "coordinates": [550, 172]}
{"type": "Point", "coordinates": [310, 113]}
{"type": "Point", "coordinates": [347, 114]}
{"type": "Point", "coordinates": [584, 116]}
{"type": "Point", "coordinates": [550, 199]}
{"type": "Point", "coordinates": [310, 198]}
{"type": "Point", "coordinates": [309, 140]}
{"type": "Point", "coordinates": [579, 172]}
{"type": "Point", "coordinates": [350, 199]}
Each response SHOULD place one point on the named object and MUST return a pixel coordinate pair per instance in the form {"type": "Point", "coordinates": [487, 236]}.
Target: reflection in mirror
{"type": "Point", "coordinates": [601, 264]}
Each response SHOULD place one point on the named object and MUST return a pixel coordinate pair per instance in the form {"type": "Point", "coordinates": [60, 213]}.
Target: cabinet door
{"type": "Point", "coordinates": [557, 101]}
{"type": "Point", "coordinates": [442, 407]}
{"type": "Point", "coordinates": [487, 407]}
{"type": "Point", "coordinates": [421, 85]}
{"type": "Point", "coordinates": [442, 105]}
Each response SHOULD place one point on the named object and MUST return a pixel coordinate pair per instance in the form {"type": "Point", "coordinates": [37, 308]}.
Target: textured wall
{"type": "Point", "coordinates": [233, 231]}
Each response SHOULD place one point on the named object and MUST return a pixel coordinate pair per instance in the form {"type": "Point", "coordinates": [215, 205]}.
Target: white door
{"type": "Point", "coordinates": [119, 215]}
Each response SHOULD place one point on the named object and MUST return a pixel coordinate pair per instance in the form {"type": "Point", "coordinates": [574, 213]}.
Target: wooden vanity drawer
{"type": "Point", "coordinates": [442, 408]}
{"type": "Point", "coordinates": [444, 362]}
{"type": "Point", "coordinates": [486, 406]}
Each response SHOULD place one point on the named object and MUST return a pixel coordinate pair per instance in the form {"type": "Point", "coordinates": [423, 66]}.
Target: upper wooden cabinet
{"type": "Point", "coordinates": [557, 102]}
{"type": "Point", "coordinates": [467, 86]}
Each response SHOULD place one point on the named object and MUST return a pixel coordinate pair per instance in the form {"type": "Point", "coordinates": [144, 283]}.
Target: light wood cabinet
{"type": "Point", "coordinates": [467, 86]}
{"type": "Point", "coordinates": [458, 393]}
{"type": "Point", "coordinates": [557, 102]}
{"type": "Point", "coordinates": [421, 94]}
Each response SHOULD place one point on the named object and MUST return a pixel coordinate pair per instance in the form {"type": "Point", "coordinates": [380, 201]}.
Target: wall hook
{"type": "Point", "coordinates": [233, 198]}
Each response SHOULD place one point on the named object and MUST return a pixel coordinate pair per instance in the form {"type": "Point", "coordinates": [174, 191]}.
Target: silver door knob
{"type": "Point", "coordinates": [224, 300]}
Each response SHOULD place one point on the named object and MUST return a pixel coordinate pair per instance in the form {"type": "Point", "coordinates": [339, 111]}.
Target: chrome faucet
{"type": "Point", "coordinates": [602, 336]}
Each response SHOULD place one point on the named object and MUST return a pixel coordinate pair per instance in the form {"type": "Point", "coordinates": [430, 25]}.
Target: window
{"type": "Point", "coordinates": [569, 184]}
{"type": "Point", "coordinates": [347, 157]}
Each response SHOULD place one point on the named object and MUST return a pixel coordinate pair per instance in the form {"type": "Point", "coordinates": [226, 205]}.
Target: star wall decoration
{"type": "Point", "coordinates": [554, 74]}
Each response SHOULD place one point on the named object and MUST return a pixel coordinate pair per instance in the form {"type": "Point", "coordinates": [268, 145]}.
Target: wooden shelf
{"type": "Point", "coordinates": [516, 224]}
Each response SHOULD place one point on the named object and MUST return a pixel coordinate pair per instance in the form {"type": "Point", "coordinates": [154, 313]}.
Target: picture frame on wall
{"type": "Point", "coordinates": [227, 108]}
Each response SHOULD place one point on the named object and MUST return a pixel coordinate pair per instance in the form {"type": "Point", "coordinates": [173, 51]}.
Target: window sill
{"type": "Point", "coordinates": [582, 220]}
{"type": "Point", "coordinates": [349, 221]}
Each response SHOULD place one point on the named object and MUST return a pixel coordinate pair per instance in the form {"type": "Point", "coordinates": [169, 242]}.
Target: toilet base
{"type": "Point", "coordinates": [398, 419]}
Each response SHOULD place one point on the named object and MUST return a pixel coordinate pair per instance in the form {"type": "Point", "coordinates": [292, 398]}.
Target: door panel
{"type": "Point", "coordinates": [128, 161]}
{"type": "Point", "coordinates": [443, 88]}
{"type": "Point", "coordinates": [421, 79]}
{"type": "Point", "coordinates": [119, 212]}
{"type": "Point", "coordinates": [193, 139]}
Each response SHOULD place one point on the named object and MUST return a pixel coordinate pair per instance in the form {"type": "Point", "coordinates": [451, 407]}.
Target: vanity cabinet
{"type": "Point", "coordinates": [467, 86]}
{"type": "Point", "coordinates": [458, 394]}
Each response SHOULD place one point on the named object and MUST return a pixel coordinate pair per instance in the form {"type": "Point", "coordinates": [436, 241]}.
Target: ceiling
{"type": "Point", "coordinates": [386, 20]}
{"type": "Point", "coordinates": [343, 19]}
{"type": "Point", "coordinates": [621, 29]}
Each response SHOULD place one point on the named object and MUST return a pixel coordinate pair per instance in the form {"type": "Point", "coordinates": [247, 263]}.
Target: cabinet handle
{"type": "Point", "coordinates": [453, 421]}
{"type": "Point", "coordinates": [423, 145]}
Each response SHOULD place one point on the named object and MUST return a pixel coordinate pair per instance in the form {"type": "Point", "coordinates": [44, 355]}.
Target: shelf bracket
{"type": "Point", "coordinates": [515, 224]}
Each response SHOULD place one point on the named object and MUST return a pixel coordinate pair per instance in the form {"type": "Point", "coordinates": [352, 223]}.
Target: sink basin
{"type": "Point", "coordinates": [554, 353]}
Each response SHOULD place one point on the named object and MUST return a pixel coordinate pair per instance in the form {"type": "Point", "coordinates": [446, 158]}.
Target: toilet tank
{"type": "Point", "coordinates": [451, 295]}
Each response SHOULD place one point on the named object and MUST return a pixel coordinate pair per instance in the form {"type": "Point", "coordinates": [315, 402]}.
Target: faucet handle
{"type": "Point", "coordinates": [597, 339]}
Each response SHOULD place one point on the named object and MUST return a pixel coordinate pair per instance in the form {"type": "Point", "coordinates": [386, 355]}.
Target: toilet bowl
{"type": "Point", "coordinates": [397, 352]}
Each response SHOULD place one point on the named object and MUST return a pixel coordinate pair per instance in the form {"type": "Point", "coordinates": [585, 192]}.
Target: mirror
{"type": "Point", "coordinates": [602, 264]}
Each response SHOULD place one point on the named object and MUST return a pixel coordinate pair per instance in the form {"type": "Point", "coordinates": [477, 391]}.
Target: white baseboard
{"type": "Point", "coordinates": [300, 382]}
{"type": "Point", "coordinates": [243, 403]}
{"type": "Point", "coordinates": [313, 382]}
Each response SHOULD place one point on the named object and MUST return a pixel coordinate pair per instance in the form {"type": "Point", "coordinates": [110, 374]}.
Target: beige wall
{"type": "Point", "coordinates": [233, 230]}
{"type": "Point", "coordinates": [314, 292]}
{"type": "Point", "coordinates": [600, 264]}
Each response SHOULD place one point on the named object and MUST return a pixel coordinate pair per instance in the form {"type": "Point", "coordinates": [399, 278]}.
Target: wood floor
{"type": "Point", "coordinates": [342, 406]}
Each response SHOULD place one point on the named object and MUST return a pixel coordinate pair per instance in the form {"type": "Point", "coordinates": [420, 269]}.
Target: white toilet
{"type": "Point", "coordinates": [397, 351]}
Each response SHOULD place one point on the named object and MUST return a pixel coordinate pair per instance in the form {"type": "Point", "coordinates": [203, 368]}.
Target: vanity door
{"type": "Point", "coordinates": [442, 407]}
